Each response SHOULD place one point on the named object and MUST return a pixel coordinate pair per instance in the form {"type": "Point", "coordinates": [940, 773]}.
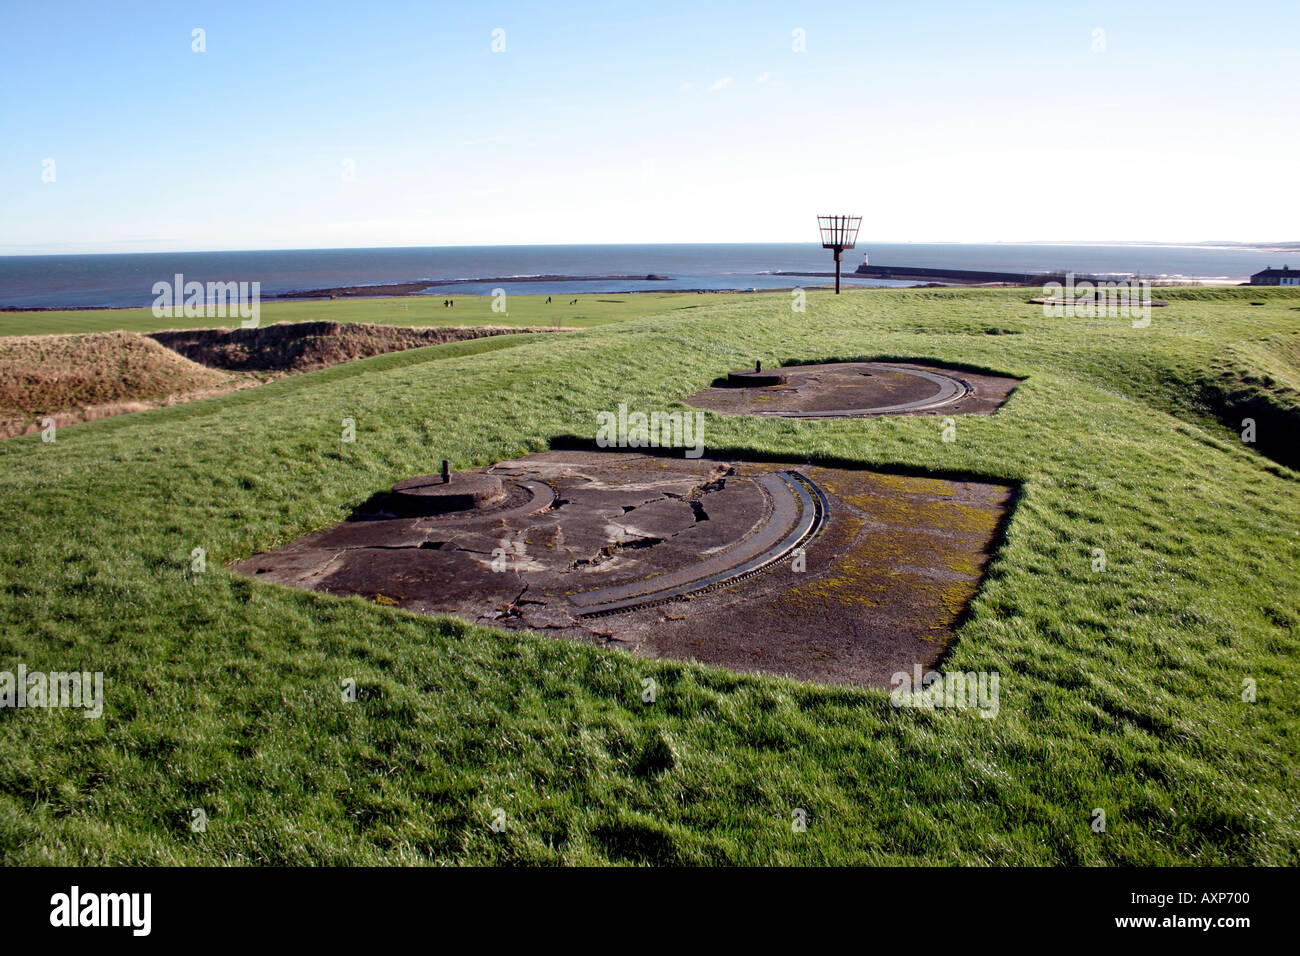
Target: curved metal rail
{"type": "Point", "coordinates": [765, 549]}
{"type": "Point", "coordinates": [950, 390]}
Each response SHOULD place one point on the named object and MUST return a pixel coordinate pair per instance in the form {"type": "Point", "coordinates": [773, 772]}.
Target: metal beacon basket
{"type": "Point", "coordinates": [838, 233]}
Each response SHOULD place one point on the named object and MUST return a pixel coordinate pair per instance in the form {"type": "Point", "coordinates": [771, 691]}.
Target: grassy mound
{"type": "Point", "coordinates": [1257, 384]}
{"type": "Point", "coordinates": [305, 346]}
{"type": "Point", "coordinates": [77, 377]}
{"type": "Point", "coordinates": [1124, 683]}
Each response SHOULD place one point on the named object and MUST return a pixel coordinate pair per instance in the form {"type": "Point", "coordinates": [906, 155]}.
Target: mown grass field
{"type": "Point", "coordinates": [1121, 689]}
{"type": "Point", "coordinates": [590, 310]}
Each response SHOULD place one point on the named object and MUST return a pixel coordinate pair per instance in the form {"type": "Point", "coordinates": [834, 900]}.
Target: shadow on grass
{"type": "Point", "coordinates": [746, 453]}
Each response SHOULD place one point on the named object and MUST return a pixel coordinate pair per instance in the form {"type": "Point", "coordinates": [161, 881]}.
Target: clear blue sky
{"type": "Point", "coordinates": [651, 122]}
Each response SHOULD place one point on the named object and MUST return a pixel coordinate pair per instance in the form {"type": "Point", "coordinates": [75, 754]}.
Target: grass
{"type": "Point", "coordinates": [87, 376]}
{"type": "Point", "coordinates": [92, 376]}
{"type": "Point", "coordinates": [1120, 689]}
{"type": "Point", "coordinates": [46, 374]}
{"type": "Point", "coordinates": [591, 310]}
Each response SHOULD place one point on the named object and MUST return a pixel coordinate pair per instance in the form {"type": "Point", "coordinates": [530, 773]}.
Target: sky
{"type": "Point", "coordinates": [329, 125]}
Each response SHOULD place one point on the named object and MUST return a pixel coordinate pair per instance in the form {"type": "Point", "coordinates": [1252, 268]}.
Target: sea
{"type": "Point", "coordinates": [127, 279]}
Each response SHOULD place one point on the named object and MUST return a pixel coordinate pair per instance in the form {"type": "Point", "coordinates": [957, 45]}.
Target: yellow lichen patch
{"type": "Point", "coordinates": [962, 562]}
{"type": "Point", "coordinates": [849, 482]}
{"type": "Point", "coordinates": [952, 516]}
{"type": "Point", "coordinates": [955, 595]}
{"type": "Point", "coordinates": [944, 600]}
{"type": "Point", "coordinates": [880, 567]}
{"type": "Point", "coordinates": [858, 577]}
{"type": "Point", "coordinates": [847, 581]}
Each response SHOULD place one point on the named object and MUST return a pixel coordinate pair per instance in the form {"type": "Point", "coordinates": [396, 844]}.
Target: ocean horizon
{"type": "Point", "coordinates": [119, 280]}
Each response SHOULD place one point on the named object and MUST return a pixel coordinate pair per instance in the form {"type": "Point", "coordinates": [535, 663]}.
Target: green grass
{"type": "Point", "coordinates": [1120, 690]}
{"type": "Point", "coordinates": [521, 310]}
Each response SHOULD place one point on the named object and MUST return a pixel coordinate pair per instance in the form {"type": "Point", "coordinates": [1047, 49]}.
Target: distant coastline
{"type": "Point", "coordinates": [419, 287]}
{"type": "Point", "coordinates": [126, 280]}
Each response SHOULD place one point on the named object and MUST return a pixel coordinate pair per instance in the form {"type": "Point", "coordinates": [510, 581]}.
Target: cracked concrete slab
{"type": "Point", "coordinates": [860, 389]}
{"type": "Point", "coordinates": [825, 574]}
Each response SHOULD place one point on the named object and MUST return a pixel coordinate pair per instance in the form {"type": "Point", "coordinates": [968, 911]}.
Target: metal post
{"type": "Point", "coordinates": [446, 471]}
{"type": "Point", "coordinates": [838, 250]}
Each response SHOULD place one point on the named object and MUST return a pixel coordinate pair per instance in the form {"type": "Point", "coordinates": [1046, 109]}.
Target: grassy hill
{"type": "Point", "coordinates": [92, 375]}
{"type": "Point", "coordinates": [1121, 689]}
{"type": "Point", "coordinates": [85, 377]}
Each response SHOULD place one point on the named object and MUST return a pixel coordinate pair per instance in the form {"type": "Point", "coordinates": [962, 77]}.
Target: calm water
{"type": "Point", "coordinates": [127, 280]}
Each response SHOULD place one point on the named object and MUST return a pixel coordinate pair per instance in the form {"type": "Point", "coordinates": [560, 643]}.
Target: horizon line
{"type": "Point", "coordinates": [1280, 245]}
